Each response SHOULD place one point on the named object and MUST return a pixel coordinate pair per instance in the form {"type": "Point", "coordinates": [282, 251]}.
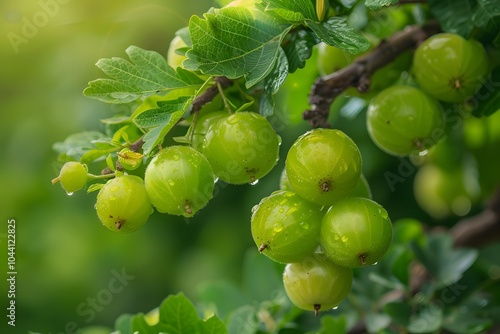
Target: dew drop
{"type": "Point", "coordinates": [283, 201]}
{"type": "Point", "coordinates": [254, 208]}
{"type": "Point", "coordinates": [216, 180]}
{"type": "Point", "coordinates": [383, 213]}
{"type": "Point", "coordinates": [278, 227]}
{"type": "Point", "coordinates": [423, 153]}
{"type": "Point", "coordinates": [281, 210]}
{"type": "Point", "coordinates": [232, 120]}
{"type": "Point", "coordinates": [375, 264]}
{"type": "Point", "coordinates": [279, 140]}
{"type": "Point", "coordinates": [176, 157]}
{"type": "Point", "coordinates": [304, 225]}
{"type": "Point", "coordinates": [334, 308]}
{"type": "Point", "coordinates": [254, 182]}
{"type": "Point", "coordinates": [291, 210]}
{"type": "Point", "coordinates": [114, 188]}
{"type": "Point", "coordinates": [344, 238]}
{"type": "Point", "coordinates": [70, 193]}
{"type": "Point", "coordinates": [336, 237]}
{"type": "Point", "coordinates": [171, 183]}
{"type": "Point", "coordinates": [289, 194]}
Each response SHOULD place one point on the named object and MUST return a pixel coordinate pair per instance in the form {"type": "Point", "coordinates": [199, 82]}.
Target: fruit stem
{"type": "Point", "coordinates": [316, 309]}
{"type": "Point", "coordinates": [262, 248]}
{"type": "Point", "coordinates": [57, 179]}
{"type": "Point", "coordinates": [92, 177]}
{"type": "Point", "coordinates": [223, 96]}
{"type": "Point", "coordinates": [119, 223]}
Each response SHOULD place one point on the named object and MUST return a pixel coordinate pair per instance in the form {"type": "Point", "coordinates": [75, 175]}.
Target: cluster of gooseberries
{"type": "Point", "coordinates": [237, 148]}
{"type": "Point", "coordinates": [322, 222]}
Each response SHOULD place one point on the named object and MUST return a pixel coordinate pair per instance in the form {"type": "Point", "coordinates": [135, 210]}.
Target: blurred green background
{"type": "Point", "coordinates": [65, 259]}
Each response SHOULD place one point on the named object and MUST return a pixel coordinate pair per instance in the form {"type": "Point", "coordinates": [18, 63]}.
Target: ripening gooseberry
{"type": "Point", "coordinates": [123, 204]}
{"type": "Point", "coordinates": [317, 284]}
{"type": "Point", "coordinates": [179, 181]}
{"type": "Point", "coordinates": [323, 165]}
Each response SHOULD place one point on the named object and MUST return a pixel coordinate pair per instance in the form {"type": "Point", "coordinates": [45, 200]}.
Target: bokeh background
{"type": "Point", "coordinates": [65, 259]}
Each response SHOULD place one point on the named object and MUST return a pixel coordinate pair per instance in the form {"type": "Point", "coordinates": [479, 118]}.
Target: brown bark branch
{"type": "Point", "coordinates": [358, 73]}
{"type": "Point", "coordinates": [208, 95]}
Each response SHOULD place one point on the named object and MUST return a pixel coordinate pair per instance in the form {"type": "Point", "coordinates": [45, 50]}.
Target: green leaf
{"type": "Point", "coordinates": [123, 324]}
{"type": "Point", "coordinates": [387, 281]}
{"type": "Point", "coordinates": [336, 32]}
{"type": "Point", "coordinates": [399, 312]}
{"type": "Point", "coordinates": [231, 42]}
{"type": "Point", "coordinates": [298, 47]}
{"type": "Point", "coordinates": [487, 98]}
{"type": "Point", "coordinates": [443, 262]}
{"type": "Point", "coordinates": [243, 320]}
{"type": "Point", "coordinates": [292, 12]}
{"type": "Point", "coordinates": [221, 297]}
{"type": "Point", "coordinates": [378, 4]}
{"type": "Point", "coordinates": [213, 326]}
{"type": "Point", "coordinates": [272, 83]}
{"type": "Point", "coordinates": [376, 321]}
{"type": "Point", "coordinates": [400, 263]}
{"type": "Point", "coordinates": [178, 315]}
{"type": "Point", "coordinates": [465, 323]}
{"type": "Point", "coordinates": [427, 319]}
{"type": "Point", "coordinates": [148, 74]}
{"type": "Point", "coordinates": [330, 324]}
{"type": "Point", "coordinates": [485, 11]}
{"type": "Point", "coordinates": [139, 325]}
{"type": "Point", "coordinates": [76, 145]}
{"type": "Point", "coordinates": [161, 120]}
{"type": "Point", "coordinates": [455, 16]}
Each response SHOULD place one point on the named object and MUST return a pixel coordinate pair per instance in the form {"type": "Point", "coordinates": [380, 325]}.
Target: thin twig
{"type": "Point", "coordinates": [358, 73]}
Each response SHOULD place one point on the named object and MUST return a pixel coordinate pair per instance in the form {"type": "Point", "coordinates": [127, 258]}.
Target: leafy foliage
{"type": "Point", "coordinates": [256, 48]}
{"type": "Point", "coordinates": [149, 74]}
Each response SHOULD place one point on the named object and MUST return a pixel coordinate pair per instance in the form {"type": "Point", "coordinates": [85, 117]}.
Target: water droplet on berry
{"type": "Point", "coordinates": [254, 182]}
{"type": "Point", "coordinates": [216, 179]}
{"type": "Point", "coordinates": [344, 238]}
{"type": "Point", "coordinates": [281, 210]}
{"type": "Point", "coordinates": [291, 210]}
{"type": "Point", "coordinates": [423, 153]}
{"type": "Point", "coordinates": [176, 157]}
{"type": "Point", "coordinates": [69, 193]}
{"type": "Point", "coordinates": [254, 208]}
{"type": "Point", "coordinates": [232, 120]}
{"type": "Point", "coordinates": [283, 201]}
{"type": "Point", "coordinates": [336, 237]}
{"type": "Point", "coordinates": [278, 227]}
{"type": "Point", "coordinates": [171, 183]}
{"type": "Point", "coordinates": [375, 264]}
{"type": "Point", "coordinates": [383, 213]}
{"type": "Point", "coordinates": [279, 140]}
{"type": "Point", "coordinates": [336, 307]}
{"type": "Point", "coordinates": [304, 225]}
